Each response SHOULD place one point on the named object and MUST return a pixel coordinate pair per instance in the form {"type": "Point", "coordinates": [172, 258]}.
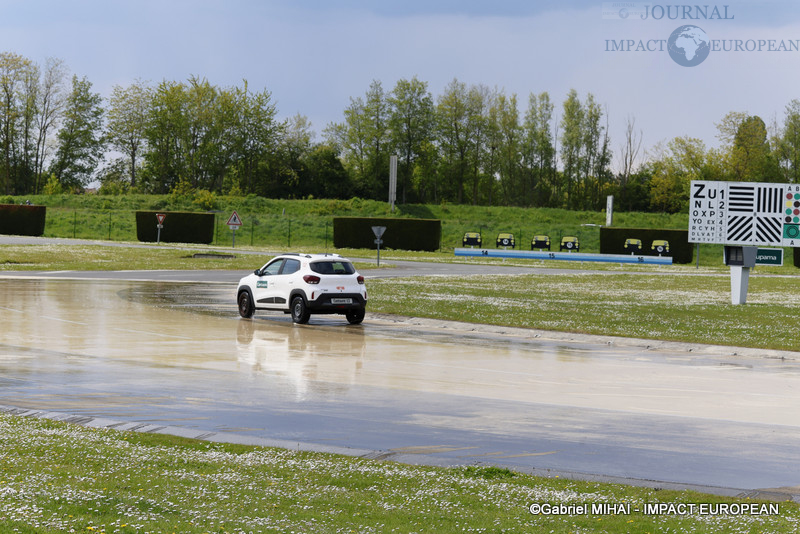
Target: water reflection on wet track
{"type": "Point", "coordinates": [179, 354]}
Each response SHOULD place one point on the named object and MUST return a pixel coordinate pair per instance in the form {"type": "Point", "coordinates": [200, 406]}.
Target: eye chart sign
{"type": "Point", "coordinates": [744, 213]}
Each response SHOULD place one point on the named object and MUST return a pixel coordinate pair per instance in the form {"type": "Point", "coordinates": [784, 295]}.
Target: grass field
{"type": "Point", "coordinates": [58, 478]}
{"type": "Point", "coordinates": [298, 223]}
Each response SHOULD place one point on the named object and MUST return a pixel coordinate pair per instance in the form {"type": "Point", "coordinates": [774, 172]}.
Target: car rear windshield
{"type": "Point", "coordinates": [333, 267]}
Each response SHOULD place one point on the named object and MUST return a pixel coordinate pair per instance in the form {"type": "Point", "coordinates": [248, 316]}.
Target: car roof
{"type": "Point", "coordinates": [313, 257]}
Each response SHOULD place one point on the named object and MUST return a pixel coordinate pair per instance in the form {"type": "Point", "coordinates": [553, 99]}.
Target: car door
{"type": "Point", "coordinates": [268, 284]}
{"type": "Point", "coordinates": [284, 282]}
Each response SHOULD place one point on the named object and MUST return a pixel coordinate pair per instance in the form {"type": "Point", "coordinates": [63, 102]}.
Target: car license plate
{"type": "Point", "coordinates": [341, 301]}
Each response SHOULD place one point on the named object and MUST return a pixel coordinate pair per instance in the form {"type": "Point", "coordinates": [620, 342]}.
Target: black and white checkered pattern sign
{"type": "Point", "coordinates": [744, 213]}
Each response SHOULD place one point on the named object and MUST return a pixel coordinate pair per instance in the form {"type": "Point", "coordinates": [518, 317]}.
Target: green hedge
{"type": "Point", "coordinates": [22, 219]}
{"type": "Point", "coordinates": [179, 227]}
{"type": "Point", "coordinates": [401, 234]}
{"type": "Point", "coordinates": [612, 241]}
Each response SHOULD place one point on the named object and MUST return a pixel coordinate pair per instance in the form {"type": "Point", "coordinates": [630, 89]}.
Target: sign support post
{"type": "Point", "coordinates": [160, 218]}
{"type": "Point", "coordinates": [392, 181]}
{"type": "Point", "coordinates": [234, 222]}
{"type": "Point", "coordinates": [378, 231]}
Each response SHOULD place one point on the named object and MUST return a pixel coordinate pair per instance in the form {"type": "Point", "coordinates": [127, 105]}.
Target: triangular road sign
{"type": "Point", "coordinates": [234, 219]}
{"type": "Point", "coordinates": [160, 217]}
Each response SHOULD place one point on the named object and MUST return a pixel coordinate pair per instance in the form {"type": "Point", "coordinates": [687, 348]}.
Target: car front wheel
{"type": "Point", "coordinates": [355, 316]}
{"type": "Point", "coordinates": [300, 313]}
{"type": "Point", "coordinates": [246, 307]}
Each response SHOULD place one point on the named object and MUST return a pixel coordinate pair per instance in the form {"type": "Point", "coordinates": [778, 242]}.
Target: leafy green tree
{"type": "Point", "coordinates": [515, 190]}
{"type": "Point", "coordinates": [572, 142]}
{"type": "Point", "coordinates": [350, 139]}
{"type": "Point", "coordinates": [14, 71]}
{"type": "Point", "coordinates": [684, 159]}
{"type": "Point", "coordinates": [596, 155]}
{"type": "Point", "coordinates": [411, 124]}
{"type": "Point", "coordinates": [165, 132]}
{"type": "Point", "coordinates": [376, 121]}
{"type": "Point", "coordinates": [364, 141]}
{"type": "Point", "coordinates": [787, 143]}
{"type": "Point", "coordinates": [50, 99]}
{"type": "Point", "coordinates": [209, 117]}
{"type": "Point", "coordinates": [456, 125]}
{"type": "Point", "coordinates": [80, 139]}
{"type": "Point", "coordinates": [295, 144]}
{"type": "Point", "coordinates": [115, 177]}
{"type": "Point", "coordinates": [753, 158]}
{"type": "Point", "coordinates": [537, 150]}
{"type": "Point", "coordinates": [480, 102]}
{"type": "Point", "coordinates": [325, 175]}
{"type": "Point", "coordinates": [748, 156]}
{"type": "Point", "coordinates": [128, 112]}
{"type": "Point", "coordinates": [197, 133]}
{"type": "Point", "coordinates": [629, 155]}
{"type": "Point", "coordinates": [256, 134]}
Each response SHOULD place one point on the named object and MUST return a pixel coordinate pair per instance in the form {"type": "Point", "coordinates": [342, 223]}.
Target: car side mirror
{"type": "Point", "coordinates": [257, 272]}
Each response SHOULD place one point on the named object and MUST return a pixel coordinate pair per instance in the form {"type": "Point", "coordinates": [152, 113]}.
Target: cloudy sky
{"type": "Point", "coordinates": [314, 55]}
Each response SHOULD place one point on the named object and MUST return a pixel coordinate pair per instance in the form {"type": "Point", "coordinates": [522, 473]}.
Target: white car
{"type": "Point", "coordinates": [302, 284]}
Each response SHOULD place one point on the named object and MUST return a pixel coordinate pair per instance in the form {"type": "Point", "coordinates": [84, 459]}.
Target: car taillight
{"type": "Point", "coordinates": [360, 279]}
{"type": "Point", "coordinates": [311, 279]}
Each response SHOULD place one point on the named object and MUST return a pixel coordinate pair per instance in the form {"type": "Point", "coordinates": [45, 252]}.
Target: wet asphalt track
{"type": "Point", "coordinates": [152, 355]}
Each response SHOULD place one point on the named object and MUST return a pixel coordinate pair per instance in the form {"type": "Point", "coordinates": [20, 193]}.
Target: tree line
{"type": "Point", "coordinates": [471, 144]}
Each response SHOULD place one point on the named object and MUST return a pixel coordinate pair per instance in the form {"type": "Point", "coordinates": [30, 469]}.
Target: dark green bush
{"type": "Point", "coordinates": [179, 227]}
{"type": "Point", "coordinates": [22, 220]}
{"type": "Point", "coordinates": [401, 234]}
{"type": "Point", "coordinates": [612, 241]}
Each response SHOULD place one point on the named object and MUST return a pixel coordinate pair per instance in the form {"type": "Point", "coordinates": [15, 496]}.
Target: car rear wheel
{"type": "Point", "coordinates": [355, 316]}
{"type": "Point", "coordinates": [246, 307]}
{"type": "Point", "coordinates": [300, 313]}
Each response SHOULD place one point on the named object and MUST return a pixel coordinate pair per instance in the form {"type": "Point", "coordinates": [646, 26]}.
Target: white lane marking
{"type": "Point", "coordinates": [63, 320]}
{"type": "Point", "coordinates": [150, 333]}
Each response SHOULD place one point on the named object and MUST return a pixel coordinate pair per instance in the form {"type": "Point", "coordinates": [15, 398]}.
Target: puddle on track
{"type": "Point", "coordinates": [179, 353]}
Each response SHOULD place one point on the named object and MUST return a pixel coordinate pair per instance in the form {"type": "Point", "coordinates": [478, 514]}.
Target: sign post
{"type": "Point", "coordinates": [392, 181]}
{"type": "Point", "coordinates": [378, 231]}
{"type": "Point", "coordinates": [234, 223]}
{"type": "Point", "coordinates": [160, 218]}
